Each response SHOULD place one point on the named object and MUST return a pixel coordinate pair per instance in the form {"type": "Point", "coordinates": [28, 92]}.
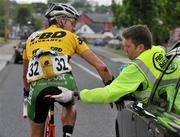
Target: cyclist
{"type": "Point", "coordinates": [46, 66]}
{"type": "Point", "coordinates": [138, 77]}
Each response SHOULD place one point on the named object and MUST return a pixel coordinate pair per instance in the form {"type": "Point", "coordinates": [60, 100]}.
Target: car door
{"type": "Point", "coordinates": [161, 118]}
{"type": "Point", "coordinates": [126, 124]}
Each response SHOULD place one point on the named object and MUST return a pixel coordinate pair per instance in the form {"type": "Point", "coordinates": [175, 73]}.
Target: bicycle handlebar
{"type": "Point", "coordinates": [25, 107]}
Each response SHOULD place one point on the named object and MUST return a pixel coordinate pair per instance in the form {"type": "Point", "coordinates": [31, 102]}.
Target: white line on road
{"type": "Point", "coordinates": [87, 70]}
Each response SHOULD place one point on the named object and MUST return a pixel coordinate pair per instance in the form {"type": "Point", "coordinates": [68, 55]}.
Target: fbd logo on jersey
{"type": "Point", "coordinates": [48, 36]}
{"type": "Point", "coordinates": [58, 34]}
{"type": "Point", "coordinates": [160, 62]}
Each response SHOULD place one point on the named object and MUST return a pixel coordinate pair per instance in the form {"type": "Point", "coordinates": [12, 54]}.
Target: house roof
{"type": "Point", "coordinates": [97, 27]}
{"type": "Point", "coordinates": [101, 18]}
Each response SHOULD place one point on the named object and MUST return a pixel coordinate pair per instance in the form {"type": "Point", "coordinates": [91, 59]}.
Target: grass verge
{"type": "Point", "coordinates": [116, 51]}
{"type": "Point", "coordinates": [2, 41]}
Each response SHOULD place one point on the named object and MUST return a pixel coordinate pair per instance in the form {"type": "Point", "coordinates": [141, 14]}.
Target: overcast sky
{"type": "Point", "coordinates": [104, 2]}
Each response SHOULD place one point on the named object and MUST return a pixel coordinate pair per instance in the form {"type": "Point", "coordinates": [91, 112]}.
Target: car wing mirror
{"type": "Point", "coordinates": [175, 50]}
{"type": "Point", "coordinates": [138, 107]}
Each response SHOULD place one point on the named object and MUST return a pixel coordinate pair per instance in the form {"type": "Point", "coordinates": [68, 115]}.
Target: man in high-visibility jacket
{"type": "Point", "coordinates": [139, 76]}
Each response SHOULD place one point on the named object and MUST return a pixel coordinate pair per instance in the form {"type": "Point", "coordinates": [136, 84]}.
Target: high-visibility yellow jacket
{"type": "Point", "coordinates": [144, 71]}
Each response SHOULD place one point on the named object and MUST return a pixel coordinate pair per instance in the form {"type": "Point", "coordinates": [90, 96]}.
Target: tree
{"type": "Point", "coordinates": [58, 1]}
{"type": "Point", "coordinates": [39, 8]}
{"type": "Point", "coordinates": [155, 14]}
{"type": "Point", "coordinates": [2, 13]}
{"type": "Point", "coordinates": [24, 14]}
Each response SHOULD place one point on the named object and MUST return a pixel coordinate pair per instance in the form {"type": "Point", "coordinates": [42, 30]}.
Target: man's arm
{"type": "Point", "coordinates": [124, 84]}
{"type": "Point", "coordinates": [102, 69]}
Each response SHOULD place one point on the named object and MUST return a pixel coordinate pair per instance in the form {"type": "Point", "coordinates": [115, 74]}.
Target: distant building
{"type": "Point", "coordinates": [97, 21]}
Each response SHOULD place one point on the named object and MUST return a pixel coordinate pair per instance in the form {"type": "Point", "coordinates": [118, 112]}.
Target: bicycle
{"type": "Point", "coordinates": [49, 124]}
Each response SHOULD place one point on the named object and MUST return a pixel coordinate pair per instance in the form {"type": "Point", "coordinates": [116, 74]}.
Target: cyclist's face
{"type": "Point", "coordinates": [70, 24]}
{"type": "Point", "coordinates": [131, 49]}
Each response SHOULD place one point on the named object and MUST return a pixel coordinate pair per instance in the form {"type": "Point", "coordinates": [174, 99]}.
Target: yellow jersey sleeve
{"type": "Point", "coordinates": [81, 45]}
{"type": "Point", "coordinates": [25, 57]}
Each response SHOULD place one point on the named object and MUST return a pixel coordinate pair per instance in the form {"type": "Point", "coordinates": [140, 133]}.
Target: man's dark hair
{"type": "Point", "coordinates": [139, 34]}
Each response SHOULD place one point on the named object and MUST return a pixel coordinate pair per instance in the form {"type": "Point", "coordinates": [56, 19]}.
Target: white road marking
{"type": "Point", "coordinates": [87, 70]}
{"type": "Point", "coordinates": [123, 60]}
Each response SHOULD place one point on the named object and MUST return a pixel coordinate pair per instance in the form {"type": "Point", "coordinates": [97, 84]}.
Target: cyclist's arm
{"type": "Point", "coordinates": [92, 59]}
{"type": "Point", "coordinates": [25, 67]}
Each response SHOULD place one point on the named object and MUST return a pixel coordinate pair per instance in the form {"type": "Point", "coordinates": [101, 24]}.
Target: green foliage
{"type": "Point", "coordinates": [36, 22]}
{"type": "Point", "coordinates": [2, 5]}
{"type": "Point", "coordinates": [102, 9]}
{"type": "Point", "coordinates": [160, 16]}
{"type": "Point", "coordinates": [39, 8]}
{"type": "Point", "coordinates": [58, 1]}
{"type": "Point", "coordinates": [2, 16]}
{"type": "Point", "coordinates": [24, 14]}
{"type": "Point", "coordinates": [1, 26]}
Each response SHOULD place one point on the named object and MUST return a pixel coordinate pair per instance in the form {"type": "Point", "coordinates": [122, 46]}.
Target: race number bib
{"type": "Point", "coordinates": [60, 64]}
{"type": "Point", "coordinates": [47, 66]}
{"type": "Point", "coordinates": [34, 70]}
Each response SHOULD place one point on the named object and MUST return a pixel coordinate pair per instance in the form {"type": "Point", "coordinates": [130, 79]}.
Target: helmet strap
{"type": "Point", "coordinates": [61, 24]}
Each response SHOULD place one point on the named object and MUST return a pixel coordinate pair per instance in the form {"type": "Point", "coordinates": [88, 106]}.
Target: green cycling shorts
{"type": "Point", "coordinates": [37, 107]}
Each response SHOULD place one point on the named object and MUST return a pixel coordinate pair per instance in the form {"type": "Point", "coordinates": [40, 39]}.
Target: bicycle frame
{"type": "Point", "coordinates": [49, 125]}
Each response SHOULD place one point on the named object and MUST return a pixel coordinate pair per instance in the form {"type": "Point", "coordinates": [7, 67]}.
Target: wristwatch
{"type": "Point", "coordinates": [107, 82]}
{"type": "Point", "coordinates": [76, 95]}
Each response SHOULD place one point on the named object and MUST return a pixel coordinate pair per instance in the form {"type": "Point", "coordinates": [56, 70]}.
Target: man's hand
{"type": "Point", "coordinates": [120, 104]}
{"type": "Point", "coordinates": [65, 96]}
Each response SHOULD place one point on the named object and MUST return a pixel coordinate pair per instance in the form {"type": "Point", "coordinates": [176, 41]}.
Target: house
{"type": "Point", "coordinates": [97, 20]}
{"type": "Point", "coordinates": [94, 27]}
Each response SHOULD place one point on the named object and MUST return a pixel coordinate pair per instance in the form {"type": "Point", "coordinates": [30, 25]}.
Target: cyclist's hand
{"type": "Point", "coordinates": [65, 96]}
{"type": "Point", "coordinates": [26, 93]}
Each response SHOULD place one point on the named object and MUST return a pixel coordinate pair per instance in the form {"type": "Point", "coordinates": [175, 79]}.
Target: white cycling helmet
{"type": "Point", "coordinates": [61, 9]}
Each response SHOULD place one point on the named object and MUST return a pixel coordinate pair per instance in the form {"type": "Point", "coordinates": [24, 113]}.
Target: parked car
{"type": "Point", "coordinates": [158, 119]}
{"type": "Point", "coordinates": [99, 42]}
{"type": "Point", "coordinates": [19, 51]}
{"type": "Point", "coordinates": [115, 43]}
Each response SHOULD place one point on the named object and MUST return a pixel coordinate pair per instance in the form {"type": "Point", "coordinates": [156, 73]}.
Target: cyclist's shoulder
{"type": "Point", "coordinates": [35, 34]}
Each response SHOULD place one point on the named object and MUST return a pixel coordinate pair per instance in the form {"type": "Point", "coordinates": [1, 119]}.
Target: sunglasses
{"type": "Point", "coordinates": [72, 20]}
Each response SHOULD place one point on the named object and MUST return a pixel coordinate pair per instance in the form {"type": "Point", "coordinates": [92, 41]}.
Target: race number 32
{"type": "Point", "coordinates": [61, 64]}
{"type": "Point", "coordinates": [33, 69]}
